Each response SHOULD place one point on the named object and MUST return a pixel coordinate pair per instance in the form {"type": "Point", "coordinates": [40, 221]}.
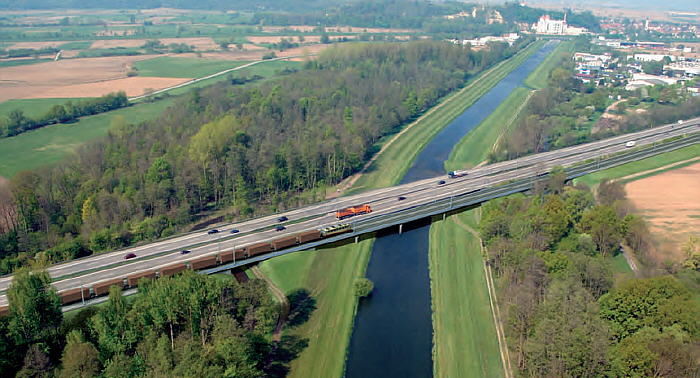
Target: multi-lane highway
{"type": "Point", "coordinates": [90, 270]}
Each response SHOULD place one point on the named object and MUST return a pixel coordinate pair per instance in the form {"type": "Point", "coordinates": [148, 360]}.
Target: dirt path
{"type": "Point", "coordinates": [495, 312]}
{"type": "Point", "coordinates": [281, 298]}
{"type": "Point", "coordinates": [631, 259]}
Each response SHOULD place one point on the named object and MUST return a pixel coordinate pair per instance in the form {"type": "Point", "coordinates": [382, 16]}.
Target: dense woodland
{"type": "Point", "coordinates": [16, 122]}
{"type": "Point", "coordinates": [185, 326]}
{"type": "Point", "coordinates": [563, 314]}
{"type": "Point", "coordinates": [247, 149]}
{"type": "Point", "coordinates": [568, 112]}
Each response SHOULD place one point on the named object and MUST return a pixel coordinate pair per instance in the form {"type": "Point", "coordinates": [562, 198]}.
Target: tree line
{"type": "Point", "coordinates": [250, 150]}
{"type": "Point", "coordinates": [17, 123]}
{"type": "Point", "coordinates": [562, 311]}
{"type": "Point", "coordinates": [189, 325]}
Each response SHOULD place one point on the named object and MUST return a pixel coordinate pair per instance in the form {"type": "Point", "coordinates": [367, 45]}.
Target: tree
{"type": "Point", "coordinates": [604, 226]}
{"type": "Point", "coordinates": [36, 363]}
{"type": "Point", "coordinates": [363, 287]}
{"type": "Point", "coordinates": [112, 327]}
{"type": "Point", "coordinates": [35, 308]}
{"type": "Point", "coordinates": [80, 358]}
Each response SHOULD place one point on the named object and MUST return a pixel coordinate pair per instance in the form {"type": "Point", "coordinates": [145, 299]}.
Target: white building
{"type": "Point", "coordinates": [640, 80]}
{"type": "Point", "coordinates": [653, 57]}
{"type": "Point", "coordinates": [547, 25]}
{"type": "Point", "coordinates": [509, 38]}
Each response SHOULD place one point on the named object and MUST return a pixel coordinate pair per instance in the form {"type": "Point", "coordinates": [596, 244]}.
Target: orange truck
{"type": "Point", "coordinates": [352, 211]}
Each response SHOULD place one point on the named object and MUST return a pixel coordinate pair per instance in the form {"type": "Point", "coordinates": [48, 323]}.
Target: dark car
{"type": "Point", "coordinates": [213, 231]}
{"type": "Point", "coordinates": [129, 256]}
{"type": "Point", "coordinates": [441, 182]}
{"type": "Point", "coordinates": [234, 231]}
{"type": "Point", "coordinates": [282, 219]}
{"type": "Point", "coordinates": [401, 198]}
{"type": "Point", "coordinates": [279, 228]}
{"type": "Point", "coordinates": [185, 251]}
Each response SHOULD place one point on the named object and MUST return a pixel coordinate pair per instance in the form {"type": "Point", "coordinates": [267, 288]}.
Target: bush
{"type": "Point", "coordinates": [363, 287]}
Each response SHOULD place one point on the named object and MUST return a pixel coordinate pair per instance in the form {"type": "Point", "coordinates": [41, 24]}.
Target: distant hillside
{"type": "Point", "coordinates": [296, 5]}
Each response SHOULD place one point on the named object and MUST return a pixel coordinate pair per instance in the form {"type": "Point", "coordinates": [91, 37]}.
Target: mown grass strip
{"type": "Point", "coordinates": [465, 342]}
{"type": "Point", "coordinates": [538, 78]}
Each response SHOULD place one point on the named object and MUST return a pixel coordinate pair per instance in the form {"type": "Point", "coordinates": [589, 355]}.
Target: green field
{"type": "Point", "coordinates": [538, 78]}
{"type": "Point", "coordinates": [76, 45]}
{"type": "Point", "coordinates": [465, 340]}
{"type": "Point", "coordinates": [329, 275]}
{"type": "Point", "coordinates": [475, 147]}
{"type": "Point", "coordinates": [22, 62]}
{"type": "Point", "coordinates": [653, 162]}
{"type": "Point", "coordinates": [393, 163]}
{"type": "Point", "coordinates": [34, 107]}
{"type": "Point", "coordinates": [166, 66]}
{"type": "Point", "coordinates": [51, 144]}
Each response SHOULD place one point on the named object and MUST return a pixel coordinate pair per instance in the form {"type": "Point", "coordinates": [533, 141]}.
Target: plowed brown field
{"type": "Point", "coordinates": [670, 202]}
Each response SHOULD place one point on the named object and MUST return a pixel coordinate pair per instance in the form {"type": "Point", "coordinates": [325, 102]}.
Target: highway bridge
{"type": "Point", "coordinates": [419, 199]}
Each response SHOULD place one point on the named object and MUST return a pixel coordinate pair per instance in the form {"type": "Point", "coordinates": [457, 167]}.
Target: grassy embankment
{"type": "Point", "coordinates": [465, 339]}
{"type": "Point", "coordinates": [50, 144]}
{"type": "Point", "coordinates": [329, 273]}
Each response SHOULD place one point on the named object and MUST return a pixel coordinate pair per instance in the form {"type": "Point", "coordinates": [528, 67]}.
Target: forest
{"type": "Point", "coordinates": [187, 325]}
{"type": "Point", "coordinates": [16, 122]}
{"type": "Point", "coordinates": [563, 313]}
{"type": "Point", "coordinates": [250, 150]}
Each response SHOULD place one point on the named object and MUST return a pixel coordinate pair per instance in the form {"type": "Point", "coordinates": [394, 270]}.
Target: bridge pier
{"type": "Point", "coordinates": [400, 229]}
{"type": "Point", "coordinates": [357, 239]}
{"type": "Point", "coordinates": [443, 216]}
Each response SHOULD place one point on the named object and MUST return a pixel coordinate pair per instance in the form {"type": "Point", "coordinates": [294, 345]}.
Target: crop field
{"type": "Point", "coordinates": [183, 67]}
{"type": "Point", "coordinates": [51, 144]}
{"type": "Point", "coordinates": [673, 215]}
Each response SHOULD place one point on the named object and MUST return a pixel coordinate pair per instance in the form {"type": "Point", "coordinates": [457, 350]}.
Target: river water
{"type": "Point", "coordinates": [392, 336]}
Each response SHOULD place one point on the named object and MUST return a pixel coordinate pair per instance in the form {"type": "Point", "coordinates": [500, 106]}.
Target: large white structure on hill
{"type": "Point", "coordinates": [548, 25]}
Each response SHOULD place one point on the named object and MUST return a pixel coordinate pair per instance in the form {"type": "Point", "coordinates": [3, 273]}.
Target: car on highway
{"type": "Point", "coordinates": [129, 256]}
{"type": "Point", "coordinates": [401, 198]}
{"type": "Point", "coordinates": [630, 144]}
{"type": "Point", "coordinates": [185, 251]}
{"type": "Point", "coordinates": [234, 231]}
{"type": "Point", "coordinates": [441, 182]}
{"type": "Point", "coordinates": [279, 228]}
{"type": "Point", "coordinates": [282, 219]}
{"type": "Point", "coordinates": [212, 231]}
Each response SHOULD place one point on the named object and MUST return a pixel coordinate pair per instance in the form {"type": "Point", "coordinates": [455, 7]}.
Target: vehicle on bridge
{"type": "Point", "coordinates": [630, 144]}
{"type": "Point", "coordinates": [352, 211]}
{"type": "Point", "coordinates": [455, 174]}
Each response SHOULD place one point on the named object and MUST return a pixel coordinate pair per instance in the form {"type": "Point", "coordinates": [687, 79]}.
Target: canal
{"type": "Point", "coordinates": [392, 336]}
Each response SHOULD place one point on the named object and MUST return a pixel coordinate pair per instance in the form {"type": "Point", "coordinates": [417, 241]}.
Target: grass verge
{"type": "Point", "coordinates": [329, 275]}
{"type": "Point", "coordinates": [475, 147]}
{"type": "Point", "coordinates": [465, 339]}
{"type": "Point", "coordinates": [33, 107]}
{"type": "Point", "coordinates": [538, 78]}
